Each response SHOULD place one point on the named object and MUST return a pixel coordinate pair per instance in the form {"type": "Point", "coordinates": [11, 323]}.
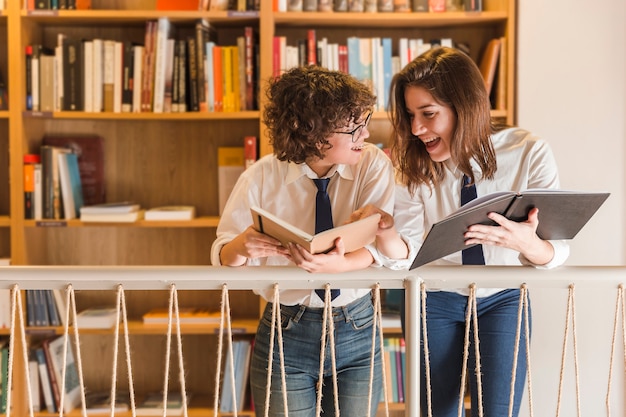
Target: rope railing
{"type": "Point", "coordinates": [271, 278]}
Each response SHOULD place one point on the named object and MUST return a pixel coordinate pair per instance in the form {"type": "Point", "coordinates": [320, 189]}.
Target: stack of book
{"type": "Point", "coordinates": [97, 318]}
{"type": "Point", "coordinates": [120, 212]}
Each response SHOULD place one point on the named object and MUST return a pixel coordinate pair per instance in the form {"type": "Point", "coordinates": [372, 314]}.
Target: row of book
{"type": "Point", "coordinates": [164, 74]}
{"type": "Point", "coordinates": [4, 374]}
{"type": "Point", "coordinates": [45, 367]}
{"type": "Point", "coordinates": [368, 59]}
{"type": "Point", "coordinates": [214, 5]}
{"type": "Point", "coordinates": [395, 366]}
{"type": "Point", "coordinates": [57, 4]}
{"type": "Point", "coordinates": [241, 354]}
{"type": "Point", "coordinates": [373, 6]}
{"type": "Point", "coordinates": [371, 61]}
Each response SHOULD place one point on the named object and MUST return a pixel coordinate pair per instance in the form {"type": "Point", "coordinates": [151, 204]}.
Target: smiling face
{"type": "Point", "coordinates": [433, 123]}
{"type": "Point", "coordinates": [342, 150]}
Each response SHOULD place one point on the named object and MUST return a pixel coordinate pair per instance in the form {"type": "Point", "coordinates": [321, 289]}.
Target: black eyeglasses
{"type": "Point", "coordinates": [356, 133]}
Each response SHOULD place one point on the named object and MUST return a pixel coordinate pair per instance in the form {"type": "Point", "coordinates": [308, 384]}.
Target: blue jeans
{"type": "Point", "coordinates": [302, 329]}
{"type": "Point", "coordinates": [497, 326]}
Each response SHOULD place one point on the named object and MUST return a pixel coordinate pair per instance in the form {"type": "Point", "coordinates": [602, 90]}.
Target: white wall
{"type": "Point", "coordinates": [572, 92]}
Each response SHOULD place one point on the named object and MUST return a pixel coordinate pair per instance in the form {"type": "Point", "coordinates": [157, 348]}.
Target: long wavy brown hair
{"type": "Point", "coordinates": [306, 105]}
{"type": "Point", "coordinates": [454, 80]}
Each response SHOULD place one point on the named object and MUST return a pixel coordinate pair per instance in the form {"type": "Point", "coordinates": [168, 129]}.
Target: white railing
{"type": "Point", "coordinates": [262, 278]}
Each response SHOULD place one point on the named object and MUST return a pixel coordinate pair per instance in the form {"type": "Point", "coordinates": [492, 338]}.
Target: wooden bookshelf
{"type": "Point", "coordinates": [164, 159]}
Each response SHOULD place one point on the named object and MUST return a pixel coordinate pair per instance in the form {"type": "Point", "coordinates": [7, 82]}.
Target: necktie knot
{"type": "Point", "coordinates": [321, 183]}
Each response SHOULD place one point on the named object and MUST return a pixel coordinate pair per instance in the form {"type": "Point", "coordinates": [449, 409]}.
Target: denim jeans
{"type": "Point", "coordinates": [497, 326]}
{"type": "Point", "coordinates": [302, 330]}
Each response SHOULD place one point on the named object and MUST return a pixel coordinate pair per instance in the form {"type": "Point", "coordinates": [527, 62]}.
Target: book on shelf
{"type": "Point", "coordinates": [4, 374]}
{"type": "Point", "coordinates": [179, 5]}
{"type": "Point", "coordinates": [56, 355]}
{"type": "Point", "coordinates": [130, 217]}
{"type": "Point", "coordinates": [241, 360]}
{"type": "Point", "coordinates": [355, 235]}
{"type": "Point", "coordinates": [561, 216]}
{"type": "Point", "coordinates": [170, 213]}
{"type": "Point", "coordinates": [99, 402]}
{"type": "Point", "coordinates": [250, 150]}
{"type": "Point", "coordinates": [97, 318]}
{"type": "Point", "coordinates": [230, 164]}
{"type": "Point", "coordinates": [35, 386]}
{"type": "Point", "coordinates": [89, 150]}
{"type": "Point", "coordinates": [52, 200]}
{"type": "Point", "coordinates": [30, 161]}
{"type": "Point", "coordinates": [5, 302]}
{"type": "Point", "coordinates": [71, 189]}
{"type": "Point", "coordinates": [44, 378]}
{"type": "Point", "coordinates": [117, 207]}
{"type": "Point", "coordinates": [489, 63]}
{"type": "Point", "coordinates": [187, 315]}
{"type": "Point", "coordinates": [152, 404]}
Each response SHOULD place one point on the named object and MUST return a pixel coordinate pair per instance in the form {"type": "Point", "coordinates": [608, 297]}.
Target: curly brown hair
{"type": "Point", "coordinates": [305, 105]}
{"type": "Point", "coordinates": [454, 80]}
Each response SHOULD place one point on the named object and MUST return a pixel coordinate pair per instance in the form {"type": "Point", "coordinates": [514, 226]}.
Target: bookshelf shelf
{"type": "Point", "coordinates": [200, 222]}
{"type": "Point", "coordinates": [116, 17]}
{"type": "Point", "coordinates": [199, 116]}
{"type": "Point", "coordinates": [448, 19]}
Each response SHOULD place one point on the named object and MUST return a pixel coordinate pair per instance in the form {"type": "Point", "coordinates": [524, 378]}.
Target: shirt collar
{"type": "Point", "coordinates": [295, 171]}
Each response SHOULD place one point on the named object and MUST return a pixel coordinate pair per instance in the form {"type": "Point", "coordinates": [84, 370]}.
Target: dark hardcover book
{"type": "Point", "coordinates": [4, 96]}
{"type": "Point", "coordinates": [127, 77]}
{"type": "Point", "coordinates": [52, 202]}
{"type": "Point", "coordinates": [182, 76]}
{"type": "Point", "coordinates": [473, 5]}
{"type": "Point", "coordinates": [90, 152]}
{"type": "Point", "coordinates": [29, 83]}
{"type": "Point", "coordinates": [30, 308]}
{"type": "Point", "coordinates": [561, 216]}
{"type": "Point", "coordinates": [176, 77]}
{"type": "Point", "coordinates": [46, 382]}
{"type": "Point", "coordinates": [73, 77]}
{"type": "Point", "coordinates": [204, 33]}
{"type": "Point", "coordinates": [53, 313]}
{"type": "Point", "coordinates": [192, 76]}
{"type": "Point", "coordinates": [419, 5]}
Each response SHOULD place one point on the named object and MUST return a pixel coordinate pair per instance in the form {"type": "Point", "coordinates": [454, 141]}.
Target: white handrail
{"type": "Point", "coordinates": [263, 278]}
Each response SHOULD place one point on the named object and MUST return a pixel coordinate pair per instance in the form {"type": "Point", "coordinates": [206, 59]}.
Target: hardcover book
{"type": "Point", "coordinates": [97, 318]}
{"type": "Point", "coordinates": [187, 315]}
{"type": "Point", "coordinates": [561, 216]}
{"type": "Point", "coordinates": [152, 405]}
{"type": "Point", "coordinates": [355, 235]}
{"type": "Point", "coordinates": [171, 213]}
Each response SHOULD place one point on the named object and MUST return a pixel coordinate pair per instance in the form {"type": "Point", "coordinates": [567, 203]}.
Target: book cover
{"type": "Point", "coordinates": [69, 188]}
{"type": "Point", "coordinates": [118, 207]}
{"type": "Point", "coordinates": [561, 216]}
{"type": "Point", "coordinates": [250, 150]}
{"type": "Point", "coordinates": [152, 404]}
{"type": "Point", "coordinates": [97, 318]}
{"type": "Point", "coordinates": [112, 217]}
{"type": "Point", "coordinates": [70, 385]}
{"type": "Point", "coordinates": [170, 213]}
{"type": "Point", "coordinates": [89, 150]}
{"type": "Point", "coordinates": [46, 383]}
{"type": "Point", "coordinates": [187, 315]}
{"type": "Point", "coordinates": [100, 402]}
{"type": "Point", "coordinates": [489, 63]}
{"type": "Point", "coordinates": [355, 235]}
{"type": "Point", "coordinates": [72, 74]}
{"type": "Point", "coordinates": [230, 164]}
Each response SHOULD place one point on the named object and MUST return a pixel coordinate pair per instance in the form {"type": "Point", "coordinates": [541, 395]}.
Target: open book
{"type": "Point", "coordinates": [561, 216]}
{"type": "Point", "coordinates": [355, 235]}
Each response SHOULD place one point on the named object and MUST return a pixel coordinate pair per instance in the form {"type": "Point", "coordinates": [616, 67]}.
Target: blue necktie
{"type": "Point", "coordinates": [323, 219]}
{"type": "Point", "coordinates": [473, 255]}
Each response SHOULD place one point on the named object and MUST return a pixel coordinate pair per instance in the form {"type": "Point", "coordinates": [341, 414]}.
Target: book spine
{"type": "Point", "coordinates": [46, 383]}
{"type": "Point", "coordinates": [128, 77]}
{"type": "Point", "coordinates": [28, 78]}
